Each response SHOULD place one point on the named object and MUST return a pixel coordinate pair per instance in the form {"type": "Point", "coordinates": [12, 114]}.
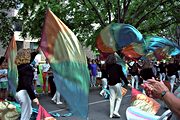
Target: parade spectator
{"type": "Point", "coordinates": [104, 81]}
{"type": "Point", "coordinates": [159, 90]}
{"type": "Point", "coordinates": [115, 75]}
{"type": "Point", "coordinates": [3, 79]}
{"type": "Point", "coordinates": [54, 91]}
{"type": "Point", "coordinates": [25, 91]}
{"type": "Point", "coordinates": [134, 71]}
{"type": "Point", "coordinates": [98, 62]}
{"type": "Point", "coordinates": [56, 98]}
{"type": "Point", "coordinates": [171, 69]}
{"type": "Point", "coordinates": [89, 68]}
{"type": "Point", "coordinates": [35, 64]}
{"type": "Point", "coordinates": [99, 73]}
{"type": "Point", "coordinates": [45, 68]}
{"type": "Point", "coordinates": [35, 79]}
{"type": "Point", "coordinates": [158, 69]}
{"type": "Point", "coordinates": [93, 68]}
{"type": "Point", "coordinates": [155, 68]}
{"type": "Point", "coordinates": [162, 72]}
{"type": "Point", "coordinates": [179, 71]}
{"type": "Point", "coordinates": [147, 71]}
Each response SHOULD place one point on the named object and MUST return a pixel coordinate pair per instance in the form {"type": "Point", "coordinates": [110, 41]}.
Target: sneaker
{"type": "Point", "coordinates": [59, 103]}
{"type": "Point", "coordinates": [53, 100]}
{"type": "Point", "coordinates": [111, 116]}
{"type": "Point", "coordinates": [117, 115]}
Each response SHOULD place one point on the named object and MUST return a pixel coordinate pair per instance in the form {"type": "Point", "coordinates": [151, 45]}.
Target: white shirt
{"type": "Point", "coordinates": [37, 58]}
{"type": "Point", "coordinates": [45, 67]}
{"type": "Point", "coordinates": [2, 72]}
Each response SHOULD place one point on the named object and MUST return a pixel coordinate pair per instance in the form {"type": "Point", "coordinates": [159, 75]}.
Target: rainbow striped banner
{"type": "Point", "coordinates": [68, 62]}
{"type": "Point", "coordinates": [10, 56]}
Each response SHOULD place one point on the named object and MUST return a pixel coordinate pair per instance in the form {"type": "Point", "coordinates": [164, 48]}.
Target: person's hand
{"type": "Point", "coordinates": [156, 88]}
{"type": "Point", "coordinates": [148, 89]}
{"type": "Point", "coordinates": [129, 85]}
{"type": "Point", "coordinates": [36, 101]}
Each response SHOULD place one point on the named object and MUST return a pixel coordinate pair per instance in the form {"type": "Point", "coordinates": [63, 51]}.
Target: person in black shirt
{"type": "Point", "coordinates": [134, 71]}
{"type": "Point", "coordinates": [171, 69]}
{"type": "Point", "coordinates": [179, 71]}
{"type": "Point", "coordinates": [115, 76]}
{"type": "Point", "coordinates": [162, 75]}
{"type": "Point", "coordinates": [147, 70]}
{"type": "Point", "coordinates": [25, 92]}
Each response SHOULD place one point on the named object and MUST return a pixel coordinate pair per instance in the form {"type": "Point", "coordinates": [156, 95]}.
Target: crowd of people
{"type": "Point", "coordinates": [139, 71]}
{"type": "Point", "coordinates": [163, 73]}
{"type": "Point", "coordinates": [28, 70]}
{"type": "Point", "coordinates": [108, 74]}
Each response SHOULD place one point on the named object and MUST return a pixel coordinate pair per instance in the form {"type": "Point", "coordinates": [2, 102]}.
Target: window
{"type": "Point", "coordinates": [18, 25]}
{"type": "Point", "coordinates": [19, 44]}
{"type": "Point", "coordinates": [33, 45]}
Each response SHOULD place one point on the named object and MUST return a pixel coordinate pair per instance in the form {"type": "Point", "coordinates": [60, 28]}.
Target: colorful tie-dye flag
{"type": "Point", "coordinates": [10, 56]}
{"type": "Point", "coordinates": [122, 62]}
{"type": "Point", "coordinates": [161, 47]}
{"type": "Point", "coordinates": [116, 36]}
{"type": "Point", "coordinates": [68, 62]}
{"type": "Point", "coordinates": [134, 51]}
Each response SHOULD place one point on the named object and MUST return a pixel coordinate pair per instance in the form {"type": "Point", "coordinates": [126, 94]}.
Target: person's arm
{"type": "Point", "coordinates": [3, 75]}
{"type": "Point", "coordinates": [169, 98]}
{"type": "Point", "coordinates": [123, 77]}
{"type": "Point", "coordinates": [36, 101]}
{"type": "Point", "coordinates": [172, 102]}
{"type": "Point", "coordinates": [30, 92]}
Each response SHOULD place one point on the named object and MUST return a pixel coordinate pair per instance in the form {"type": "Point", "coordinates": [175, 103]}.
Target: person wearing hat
{"type": "Point", "coordinates": [25, 92]}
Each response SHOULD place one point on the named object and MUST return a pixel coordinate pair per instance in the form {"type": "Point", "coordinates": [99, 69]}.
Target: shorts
{"type": "Point", "coordinates": [4, 85]}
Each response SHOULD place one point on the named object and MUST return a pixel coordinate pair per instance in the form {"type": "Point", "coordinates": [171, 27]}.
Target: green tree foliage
{"type": "Point", "coordinates": [6, 22]}
{"type": "Point", "coordinates": [87, 17]}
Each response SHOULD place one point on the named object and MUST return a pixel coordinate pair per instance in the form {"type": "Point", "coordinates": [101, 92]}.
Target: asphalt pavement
{"type": "Point", "coordinates": [98, 106]}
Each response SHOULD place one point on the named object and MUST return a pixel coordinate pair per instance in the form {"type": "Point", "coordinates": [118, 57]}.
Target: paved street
{"type": "Point", "coordinates": [98, 106]}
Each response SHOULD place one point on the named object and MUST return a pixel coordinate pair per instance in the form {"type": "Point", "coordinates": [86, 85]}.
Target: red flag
{"type": "Point", "coordinates": [43, 114]}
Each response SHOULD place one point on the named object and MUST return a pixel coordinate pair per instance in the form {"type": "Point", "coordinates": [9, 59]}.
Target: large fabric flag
{"type": "Point", "coordinates": [68, 62]}
{"type": "Point", "coordinates": [43, 114]}
{"type": "Point", "coordinates": [10, 56]}
{"type": "Point", "coordinates": [134, 51]}
{"type": "Point", "coordinates": [116, 36]}
{"type": "Point", "coordinates": [122, 62]}
{"type": "Point", "coordinates": [161, 47]}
